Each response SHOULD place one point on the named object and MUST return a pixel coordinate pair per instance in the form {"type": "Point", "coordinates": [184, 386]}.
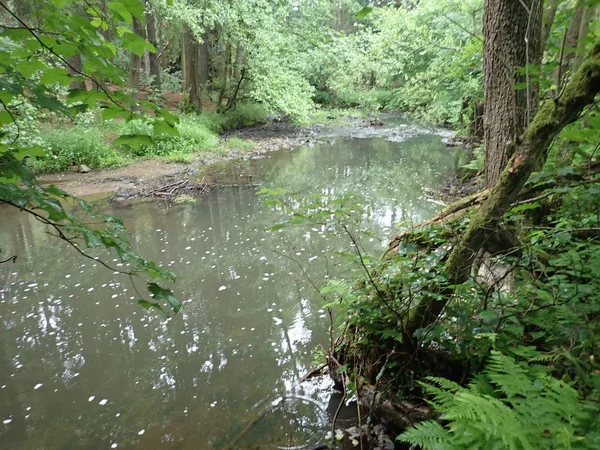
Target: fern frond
{"type": "Point", "coordinates": [428, 435]}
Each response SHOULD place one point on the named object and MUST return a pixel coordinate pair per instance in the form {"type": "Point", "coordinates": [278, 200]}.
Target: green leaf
{"type": "Point", "coordinates": [162, 127]}
{"type": "Point", "coordinates": [28, 68]}
{"type": "Point", "coordinates": [137, 45]}
{"type": "Point", "coordinates": [363, 12]}
{"type": "Point", "coordinates": [159, 293]}
{"type": "Point", "coordinates": [56, 75]}
{"type": "Point", "coordinates": [149, 305]}
{"type": "Point", "coordinates": [133, 141]}
{"type": "Point", "coordinates": [35, 151]}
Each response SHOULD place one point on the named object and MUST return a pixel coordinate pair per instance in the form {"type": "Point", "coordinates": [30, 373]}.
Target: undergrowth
{"type": "Point", "coordinates": [89, 141]}
{"type": "Point", "coordinates": [524, 328]}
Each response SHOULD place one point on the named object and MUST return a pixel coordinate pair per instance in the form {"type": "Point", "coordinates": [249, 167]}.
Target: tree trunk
{"type": "Point", "coordinates": [239, 62]}
{"type": "Point", "coordinates": [75, 69]}
{"type": "Point", "coordinates": [547, 21]}
{"type": "Point", "coordinates": [586, 17]}
{"type": "Point", "coordinates": [154, 61]}
{"type": "Point", "coordinates": [135, 61]}
{"type": "Point", "coordinates": [203, 62]}
{"type": "Point", "coordinates": [190, 69]}
{"type": "Point", "coordinates": [529, 155]}
{"type": "Point", "coordinates": [511, 41]}
{"type": "Point", "coordinates": [567, 52]}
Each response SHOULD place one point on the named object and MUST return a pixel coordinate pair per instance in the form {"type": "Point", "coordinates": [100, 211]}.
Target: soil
{"type": "Point", "coordinates": [130, 181]}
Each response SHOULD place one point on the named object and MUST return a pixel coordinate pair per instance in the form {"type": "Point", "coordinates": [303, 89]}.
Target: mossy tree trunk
{"type": "Point", "coordinates": [529, 154]}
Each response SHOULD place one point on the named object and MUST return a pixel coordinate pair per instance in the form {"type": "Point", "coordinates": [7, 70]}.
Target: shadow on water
{"type": "Point", "coordinates": [83, 366]}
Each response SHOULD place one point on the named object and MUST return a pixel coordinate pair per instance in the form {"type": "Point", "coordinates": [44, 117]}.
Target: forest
{"type": "Point", "coordinates": [474, 329]}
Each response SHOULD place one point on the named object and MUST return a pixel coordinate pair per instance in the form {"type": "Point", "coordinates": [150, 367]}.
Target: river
{"type": "Point", "coordinates": [83, 366]}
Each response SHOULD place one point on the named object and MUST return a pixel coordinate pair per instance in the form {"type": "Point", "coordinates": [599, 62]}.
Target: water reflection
{"type": "Point", "coordinates": [82, 366]}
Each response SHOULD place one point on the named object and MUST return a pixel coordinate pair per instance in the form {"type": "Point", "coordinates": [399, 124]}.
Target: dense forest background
{"type": "Point", "coordinates": [477, 329]}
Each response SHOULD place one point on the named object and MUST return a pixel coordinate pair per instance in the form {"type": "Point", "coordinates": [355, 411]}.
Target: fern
{"type": "Point", "coordinates": [511, 406]}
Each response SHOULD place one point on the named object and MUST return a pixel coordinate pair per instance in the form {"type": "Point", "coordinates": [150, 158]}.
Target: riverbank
{"type": "Point", "coordinates": [252, 142]}
{"type": "Point", "coordinates": [134, 176]}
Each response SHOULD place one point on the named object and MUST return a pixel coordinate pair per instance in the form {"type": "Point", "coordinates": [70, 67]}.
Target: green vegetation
{"type": "Point", "coordinates": [90, 142]}
{"type": "Point", "coordinates": [66, 147]}
{"type": "Point", "coordinates": [486, 317]}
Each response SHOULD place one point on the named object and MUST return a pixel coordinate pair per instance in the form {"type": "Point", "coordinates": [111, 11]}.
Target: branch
{"type": "Point", "coordinates": [61, 59]}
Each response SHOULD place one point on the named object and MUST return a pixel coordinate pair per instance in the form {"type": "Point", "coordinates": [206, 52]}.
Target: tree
{"type": "Point", "coordinates": [529, 153]}
{"type": "Point", "coordinates": [191, 80]}
{"type": "Point", "coordinates": [152, 39]}
{"type": "Point", "coordinates": [40, 64]}
{"type": "Point", "coordinates": [512, 37]}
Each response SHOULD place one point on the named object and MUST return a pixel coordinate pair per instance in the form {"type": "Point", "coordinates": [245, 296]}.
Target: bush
{"type": "Point", "coordinates": [243, 115]}
{"type": "Point", "coordinates": [322, 98]}
{"type": "Point", "coordinates": [195, 134]}
{"type": "Point", "coordinates": [68, 147]}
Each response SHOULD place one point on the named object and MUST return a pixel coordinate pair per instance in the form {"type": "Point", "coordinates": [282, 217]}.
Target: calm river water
{"type": "Point", "coordinates": [82, 366]}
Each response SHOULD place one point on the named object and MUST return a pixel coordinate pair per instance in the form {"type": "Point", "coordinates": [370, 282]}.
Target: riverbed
{"type": "Point", "coordinates": [83, 366]}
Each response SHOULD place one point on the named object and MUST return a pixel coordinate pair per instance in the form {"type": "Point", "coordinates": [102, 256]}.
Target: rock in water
{"type": "Point", "coordinates": [84, 169]}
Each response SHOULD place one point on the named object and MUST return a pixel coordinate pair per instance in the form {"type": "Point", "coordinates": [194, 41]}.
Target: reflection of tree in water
{"type": "Point", "coordinates": [228, 350]}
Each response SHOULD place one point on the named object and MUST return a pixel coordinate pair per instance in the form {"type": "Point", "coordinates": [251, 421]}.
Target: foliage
{"type": "Point", "coordinates": [36, 70]}
{"type": "Point", "coordinates": [66, 147]}
{"type": "Point", "coordinates": [193, 137]}
{"type": "Point", "coordinates": [424, 59]}
{"type": "Point", "coordinates": [509, 405]}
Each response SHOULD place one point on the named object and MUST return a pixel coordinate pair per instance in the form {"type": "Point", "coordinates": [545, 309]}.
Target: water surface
{"type": "Point", "coordinates": [82, 366]}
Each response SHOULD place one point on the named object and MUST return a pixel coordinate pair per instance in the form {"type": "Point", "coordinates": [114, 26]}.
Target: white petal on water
{"type": "Point", "coordinates": [6, 421]}
{"type": "Point", "coordinates": [39, 385]}
{"type": "Point", "coordinates": [91, 398]}
{"type": "Point", "coordinates": [142, 431]}
{"type": "Point", "coordinates": [103, 402]}
{"type": "Point", "coordinates": [277, 320]}
{"type": "Point", "coordinates": [114, 445]}
{"type": "Point", "coordinates": [222, 288]}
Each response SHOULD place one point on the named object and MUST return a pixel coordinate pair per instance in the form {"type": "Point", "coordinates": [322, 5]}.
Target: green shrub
{"type": "Point", "coordinates": [322, 98]}
{"type": "Point", "coordinates": [243, 115]}
{"type": "Point", "coordinates": [67, 147]}
{"type": "Point", "coordinates": [196, 134]}
{"type": "Point", "coordinates": [348, 99]}
{"type": "Point", "coordinates": [383, 97]}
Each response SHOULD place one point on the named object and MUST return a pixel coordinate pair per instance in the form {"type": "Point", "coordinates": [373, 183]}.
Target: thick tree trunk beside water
{"type": "Point", "coordinates": [511, 41]}
{"type": "Point", "coordinates": [529, 155]}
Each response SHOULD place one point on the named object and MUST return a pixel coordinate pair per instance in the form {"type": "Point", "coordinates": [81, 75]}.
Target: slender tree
{"type": "Point", "coordinates": [154, 62]}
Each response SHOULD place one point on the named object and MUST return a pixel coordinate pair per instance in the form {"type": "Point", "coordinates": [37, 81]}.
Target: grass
{"type": "Point", "coordinates": [66, 147]}
{"type": "Point", "coordinates": [90, 143]}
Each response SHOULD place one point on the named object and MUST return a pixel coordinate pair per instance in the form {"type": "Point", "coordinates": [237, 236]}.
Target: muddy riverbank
{"type": "Point", "coordinates": [134, 177]}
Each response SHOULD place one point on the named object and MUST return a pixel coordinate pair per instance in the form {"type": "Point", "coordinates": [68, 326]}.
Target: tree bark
{"type": "Point", "coordinates": [154, 61]}
{"type": "Point", "coordinates": [191, 83]}
{"type": "Point", "coordinates": [75, 69]}
{"type": "Point", "coordinates": [529, 155]}
{"type": "Point", "coordinates": [584, 27]}
{"type": "Point", "coordinates": [547, 21]}
{"type": "Point", "coordinates": [135, 61]}
{"type": "Point", "coordinates": [512, 38]}
{"type": "Point", "coordinates": [204, 62]}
